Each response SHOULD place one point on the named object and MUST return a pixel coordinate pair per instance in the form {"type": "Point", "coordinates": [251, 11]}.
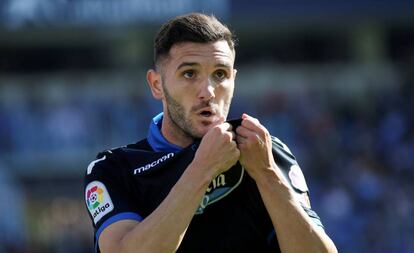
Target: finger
{"type": "Point", "coordinates": [254, 125]}
{"type": "Point", "coordinates": [247, 116]}
{"type": "Point", "coordinates": [243, 131]}
{"type": "Point", "coordinates": [232, 135]}
{"type": "Point", "coordinates": [250, 122]}
{"type": "Point", "coordinates": [240, 140]}
{"type": "Point", "coordinates": [225, 126]}
{"type": "Point", "coordinates": [249, 137]}
{"type": "Point", "coordinates": [251, 134]}
{"type": "Point", "coordinates": [220, 121]}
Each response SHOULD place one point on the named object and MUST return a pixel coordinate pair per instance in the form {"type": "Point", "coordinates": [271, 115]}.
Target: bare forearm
{"type": "Point", "coordinates": [163, 230]}
{"type": "Point", "coordinates": [295, 231]}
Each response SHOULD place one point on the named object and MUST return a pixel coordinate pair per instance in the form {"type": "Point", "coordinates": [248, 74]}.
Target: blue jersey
{"type": "Point", "coordinates": [130, 183]}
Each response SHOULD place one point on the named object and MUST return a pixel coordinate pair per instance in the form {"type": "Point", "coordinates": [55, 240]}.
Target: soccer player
{"type": "Point", "coordinates": [199, 183]}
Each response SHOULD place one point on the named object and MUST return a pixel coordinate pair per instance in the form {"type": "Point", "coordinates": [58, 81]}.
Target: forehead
{"type": "Point", "coordinates": [202, 53]}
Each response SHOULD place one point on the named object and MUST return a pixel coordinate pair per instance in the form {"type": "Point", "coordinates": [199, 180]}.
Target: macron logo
{"type": "Point", "coordinates": [154, 163]}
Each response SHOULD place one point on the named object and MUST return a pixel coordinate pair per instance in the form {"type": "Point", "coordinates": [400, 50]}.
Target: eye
{"type": "Point", "coordinates": [189, 74]}
{"type": "Point", "coordinates": [220, 74]}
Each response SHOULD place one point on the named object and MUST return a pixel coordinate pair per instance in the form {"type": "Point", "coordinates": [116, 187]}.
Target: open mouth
{"type": "Point", "coordinates": [206, 114]}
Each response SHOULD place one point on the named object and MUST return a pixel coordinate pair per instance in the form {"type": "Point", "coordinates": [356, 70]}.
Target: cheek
{"type": "Point", "coordinates": [183, 98]}
{"type": "Point", "coordinates": [176, 90]}
{"type": "Point", "coordinates": [227, 92]}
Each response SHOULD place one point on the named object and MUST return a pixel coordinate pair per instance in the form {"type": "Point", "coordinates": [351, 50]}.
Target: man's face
{"type": "Point", "coordinates": [198, 83]}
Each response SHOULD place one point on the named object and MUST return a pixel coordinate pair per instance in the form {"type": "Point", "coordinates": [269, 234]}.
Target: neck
{"type": "Point", "coordinates": [174, 134]}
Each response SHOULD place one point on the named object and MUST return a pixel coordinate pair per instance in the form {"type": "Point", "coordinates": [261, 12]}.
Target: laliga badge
{"type": "Point", "coordinates": [97, 200]}
{"type": "Point", "coordinates": [297, 178]}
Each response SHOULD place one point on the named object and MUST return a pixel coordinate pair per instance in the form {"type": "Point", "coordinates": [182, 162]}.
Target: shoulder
{"type": "Point", "coordinates": [116, 158]}
{"type": "Point", "coordinates": [288, 164]}
{"type": "Point", "coordinates": [281, 152]}
{"type": "Point", "coordinates": [278, 143]}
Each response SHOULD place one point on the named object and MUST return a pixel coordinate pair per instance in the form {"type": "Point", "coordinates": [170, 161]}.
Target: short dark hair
{"type": "Point", "coordinates": [192, 27]}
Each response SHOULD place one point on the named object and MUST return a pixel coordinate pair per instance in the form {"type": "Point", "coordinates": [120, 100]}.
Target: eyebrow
{"type": "Point", "coordinates": [187, 64]}
{"type": "Point", "coordinates": [223, 65]}
{"type": "Point", "coordinates": [192, 64]}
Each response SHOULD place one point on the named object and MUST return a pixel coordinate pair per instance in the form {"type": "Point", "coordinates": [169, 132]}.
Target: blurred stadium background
{"type": "Point", "coordinates": [332, 79]}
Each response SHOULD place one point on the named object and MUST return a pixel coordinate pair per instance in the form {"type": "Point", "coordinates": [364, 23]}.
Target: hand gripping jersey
{"type": "Point", "coordinates": [130, 183]}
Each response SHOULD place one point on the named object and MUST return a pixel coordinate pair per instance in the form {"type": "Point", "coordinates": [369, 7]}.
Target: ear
{"type": "Point", "coordinates": [155, 83]}
{"type": "Point", "coordinates": [234, 73]}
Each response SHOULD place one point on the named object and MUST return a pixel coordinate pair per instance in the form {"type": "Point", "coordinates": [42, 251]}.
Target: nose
{"type": "Point", "coordinates": [207, 90]}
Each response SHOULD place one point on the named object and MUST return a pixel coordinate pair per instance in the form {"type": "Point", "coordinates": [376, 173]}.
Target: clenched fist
{"type": "Point", "coordinates": [255, 145]}
{"type": "Point", "coordinates": [218, 150]}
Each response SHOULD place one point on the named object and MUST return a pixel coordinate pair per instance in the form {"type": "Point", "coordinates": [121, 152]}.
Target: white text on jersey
{"type": "Point", "coordinates": [154, 163]}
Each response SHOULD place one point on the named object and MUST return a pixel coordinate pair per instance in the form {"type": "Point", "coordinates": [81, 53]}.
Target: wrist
{"type": "Point", "coordinates": [271, 179]}
{"type": "Point", "coordinates": [201, 173]}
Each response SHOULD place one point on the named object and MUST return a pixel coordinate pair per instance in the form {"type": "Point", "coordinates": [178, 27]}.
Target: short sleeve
{"type": "Point", "coordinates": [288, 164]}
{"type": "Point", "coordinates": [106, 193]}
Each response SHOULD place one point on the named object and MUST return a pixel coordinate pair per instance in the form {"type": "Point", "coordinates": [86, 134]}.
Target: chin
{"type": "Point", "coordinates": [199, 133]}
{"type": "Point", "coordinates": [201, 127]}
{"type": "Point", "coordinates": [201, 130]}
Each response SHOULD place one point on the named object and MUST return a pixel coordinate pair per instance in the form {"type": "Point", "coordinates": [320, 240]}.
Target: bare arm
{"type": "Point", "coordinates": [164, 229]}
{"type": "Point", "coordinates": [295, 231]}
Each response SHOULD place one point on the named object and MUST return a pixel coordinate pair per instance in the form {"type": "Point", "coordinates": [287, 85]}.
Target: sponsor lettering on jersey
{"type": "Point", "coordinates": [98, 201]}
{"type": "Point", "coordinates": [153, 164]}
{"type": "Point", "coordinates": [220, 180]}
{"type": "Point", "coordinates": [220, 187]}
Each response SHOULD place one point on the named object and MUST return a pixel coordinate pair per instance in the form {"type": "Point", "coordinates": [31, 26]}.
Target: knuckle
{"type": "Point", "coordinates": [253, 138]}
{"type": "Point", "coordinates": [264, 131]}
{"type": "Point", "coordinates": [229, 139]}
{"type": "Point", "coordinates": [237, 152]}
{"type": "Point", "coordinates": [217, 129]}
{"type": "Point", "coordinates": [223, 129]}
{"type": "Point", "coordinates": [224, 135]}
{"type": "Point", "coordinates": [234, 145]}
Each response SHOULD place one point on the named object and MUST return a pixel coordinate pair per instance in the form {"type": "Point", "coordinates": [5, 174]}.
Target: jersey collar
{"type": "Point", "coordinates": [157, 140]}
